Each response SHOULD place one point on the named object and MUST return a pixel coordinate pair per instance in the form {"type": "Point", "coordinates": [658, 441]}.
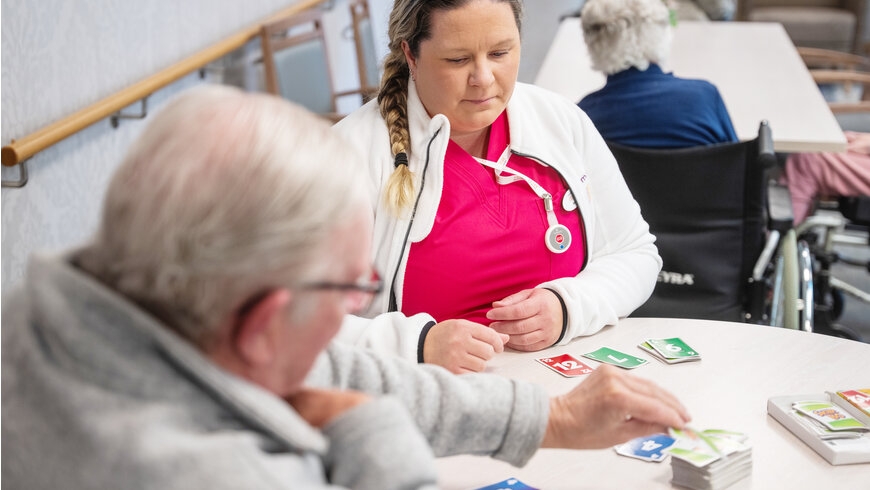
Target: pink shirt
{"type": "Point", "coordinates": [487, 241]}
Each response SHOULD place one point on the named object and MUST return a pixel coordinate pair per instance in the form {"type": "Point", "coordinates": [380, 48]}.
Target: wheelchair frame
{"type": "Point", "coordinates": [827, 286]}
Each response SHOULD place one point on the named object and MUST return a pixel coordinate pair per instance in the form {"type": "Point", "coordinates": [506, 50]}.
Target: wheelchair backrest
{"type": "Point", "coordinates": [706, 207]}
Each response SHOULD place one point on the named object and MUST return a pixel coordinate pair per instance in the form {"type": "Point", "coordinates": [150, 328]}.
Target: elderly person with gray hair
{"type": "Point", "coordinates": [641, 105]}
{"type": "Point", "coordinates": [187, 346]}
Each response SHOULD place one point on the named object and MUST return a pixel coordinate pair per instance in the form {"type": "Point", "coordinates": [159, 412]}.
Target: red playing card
{"type": "Point", "coordinates": [566, 365]}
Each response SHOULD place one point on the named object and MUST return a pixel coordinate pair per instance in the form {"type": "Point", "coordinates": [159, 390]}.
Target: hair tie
{"type": "Point", "coordinates": [401, 159]}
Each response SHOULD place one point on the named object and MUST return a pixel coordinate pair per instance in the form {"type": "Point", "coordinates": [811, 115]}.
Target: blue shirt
{"type": "Point", "coordinates": [653, 109]}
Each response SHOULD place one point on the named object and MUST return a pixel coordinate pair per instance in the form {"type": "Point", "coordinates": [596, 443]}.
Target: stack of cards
{"type": "Point", "coordinates": [828, 420]}
{"type": "Point", "coordinates": [671, 351]}
{"type": "Point", "coordinates": [835, 428]}
{"type": "Point", "coordinates": [709, 460]}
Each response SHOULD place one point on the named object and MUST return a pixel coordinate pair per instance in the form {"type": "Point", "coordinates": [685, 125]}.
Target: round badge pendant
{"type": "Point", "coordinates": [558, 238]}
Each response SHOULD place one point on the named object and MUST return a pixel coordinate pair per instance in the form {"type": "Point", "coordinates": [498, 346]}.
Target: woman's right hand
{"type": "Point", "coordinates": [462, 346]}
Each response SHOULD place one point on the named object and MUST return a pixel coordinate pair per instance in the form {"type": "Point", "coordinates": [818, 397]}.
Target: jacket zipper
{"type": "Point", "coordinates": [393, 304]}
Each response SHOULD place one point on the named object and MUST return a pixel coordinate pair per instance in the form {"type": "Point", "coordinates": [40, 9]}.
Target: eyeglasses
{"type": "Point", "coordinates": [358, 295]}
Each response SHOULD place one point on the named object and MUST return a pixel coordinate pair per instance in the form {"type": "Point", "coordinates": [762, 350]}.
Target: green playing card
{"type": "Point", "coordinates": [673, 348]}
{"type": "Point", "coordinates": [832, 416]}
{"type": "Point", "coordinates": [611, 356]}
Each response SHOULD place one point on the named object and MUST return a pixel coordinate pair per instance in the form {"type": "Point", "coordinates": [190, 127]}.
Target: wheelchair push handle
{"type": "Point", "coordinates": [766, 154]}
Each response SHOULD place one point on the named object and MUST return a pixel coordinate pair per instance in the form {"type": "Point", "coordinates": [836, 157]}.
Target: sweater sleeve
{"type": "Point", "coordinates": [377, 446]}
{"type": "Point", "coordinates": [481, 414]}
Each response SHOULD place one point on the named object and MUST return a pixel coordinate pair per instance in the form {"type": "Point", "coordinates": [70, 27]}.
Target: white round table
{"type": "Point", "coordinates": [742, 366]}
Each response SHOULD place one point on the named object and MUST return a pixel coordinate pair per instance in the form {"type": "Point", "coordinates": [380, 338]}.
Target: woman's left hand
{"type": "Point", "coordinates": [532, 318]}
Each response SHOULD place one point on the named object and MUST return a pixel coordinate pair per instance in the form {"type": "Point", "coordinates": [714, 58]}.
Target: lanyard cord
{"type": "Point", "coordinates": [500, 168]}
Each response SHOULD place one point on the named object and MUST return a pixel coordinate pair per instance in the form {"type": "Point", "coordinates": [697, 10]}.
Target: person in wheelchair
{"type": "Point", "coordinates": [641, 105]}
{"type": "Point", "coordinates": [845, 177]}
{"type": "Point", "coordinates": [720, 229]}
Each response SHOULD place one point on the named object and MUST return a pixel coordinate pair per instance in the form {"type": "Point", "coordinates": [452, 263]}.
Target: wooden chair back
{"type": "Point", "coordinates": [296, 62]}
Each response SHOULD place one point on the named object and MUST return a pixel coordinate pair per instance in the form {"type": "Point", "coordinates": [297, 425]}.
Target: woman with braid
{"type": "Point", "coordinates": [502, 219]}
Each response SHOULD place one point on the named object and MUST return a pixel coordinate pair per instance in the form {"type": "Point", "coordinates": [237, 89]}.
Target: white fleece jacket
{"type": "Point", "coordinates": [622, 261]}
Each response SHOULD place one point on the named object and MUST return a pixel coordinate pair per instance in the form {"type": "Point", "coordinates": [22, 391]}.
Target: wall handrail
{"type": "Point", "coordinates": [21, 149]}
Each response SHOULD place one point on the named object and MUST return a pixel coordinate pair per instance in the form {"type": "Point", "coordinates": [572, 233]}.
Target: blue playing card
{"type": "Point", "coordinates": [509, 484]}
{"type": "Point", "coordinates": [647, 448]}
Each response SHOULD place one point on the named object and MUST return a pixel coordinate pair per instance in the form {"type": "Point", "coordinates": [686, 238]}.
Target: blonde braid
{"type": "Point", "coordinates": [393, 101]}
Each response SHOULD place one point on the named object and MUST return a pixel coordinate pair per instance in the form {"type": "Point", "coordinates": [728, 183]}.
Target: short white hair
{"type": "Point", "coordinates": [225, 195]}
{"type": "Point", "coordinates": [621, 34]}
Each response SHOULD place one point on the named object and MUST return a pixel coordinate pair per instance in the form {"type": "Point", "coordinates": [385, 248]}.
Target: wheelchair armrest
{"type": "Point", "coordinates": [779, 211]}
{"type": "Point", "coordinates": [855, 209]}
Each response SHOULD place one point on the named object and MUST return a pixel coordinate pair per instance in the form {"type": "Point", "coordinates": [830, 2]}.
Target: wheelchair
{"type": "Point", "coordinates": [724, 231]}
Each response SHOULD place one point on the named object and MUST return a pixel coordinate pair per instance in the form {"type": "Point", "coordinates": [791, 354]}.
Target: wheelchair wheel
{"type": "Point", "coordinates": [838, 303]}
{"type": "Point", "coordinates": [834, 301]}
{"type": "Point", "coordinates": [786, 298]}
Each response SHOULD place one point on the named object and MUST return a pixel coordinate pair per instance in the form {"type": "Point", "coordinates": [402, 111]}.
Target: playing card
{"type": "Point", "coordinates": [832, 416]}
{"type": "Point", "coordinates": [821, 430]}
{"type": "Point", "coordinates": [645, 346]}
{"type": "Point", "coordinates": [701, 448]}
{"type": "Point", "coordinates": [859, 399]}
{"type": "Point", "coordinates": [611, 356]}
{"type": "Point", "coordinates": [647, 448]}
{"type": "Point", "coordinates": [566, 365]}
{"type": "Point", "coordinates": [673, 348]}
{"type": "Point", "coordinates": [709, 459]}
{"type": "Point", "coordinates": [509, 484]}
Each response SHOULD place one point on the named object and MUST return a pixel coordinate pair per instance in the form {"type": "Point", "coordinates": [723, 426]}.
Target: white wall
{"type": "Point", "coordinates": [58, 57]}
{"type": "Point", "coordinates": [539, 26]}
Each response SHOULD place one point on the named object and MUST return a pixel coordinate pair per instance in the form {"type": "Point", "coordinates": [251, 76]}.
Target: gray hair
{"type": "Point", "coordinates": [224, 195]}
{"type": "Point", "coordinates": [620, 34]}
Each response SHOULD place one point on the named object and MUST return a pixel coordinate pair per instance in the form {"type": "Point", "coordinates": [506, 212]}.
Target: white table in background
{"type": "Point", "coordinates": [754, 64]}
{"type": "Point", "coordinates": [742, 366]}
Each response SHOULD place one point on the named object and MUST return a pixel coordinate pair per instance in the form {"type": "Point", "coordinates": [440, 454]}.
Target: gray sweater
{"type": "Point", "coordinates": [97, 394]}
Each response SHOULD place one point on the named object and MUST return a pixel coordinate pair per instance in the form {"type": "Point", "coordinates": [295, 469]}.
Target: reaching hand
{"type": "Point", "coordinates": [608, 408]}
{"type": "Point", "coordinates": [319, 407]}
{"type": "Point", "coordinates": [462, 346]}
{"type": "Point", "coordinates": [532, 318]}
